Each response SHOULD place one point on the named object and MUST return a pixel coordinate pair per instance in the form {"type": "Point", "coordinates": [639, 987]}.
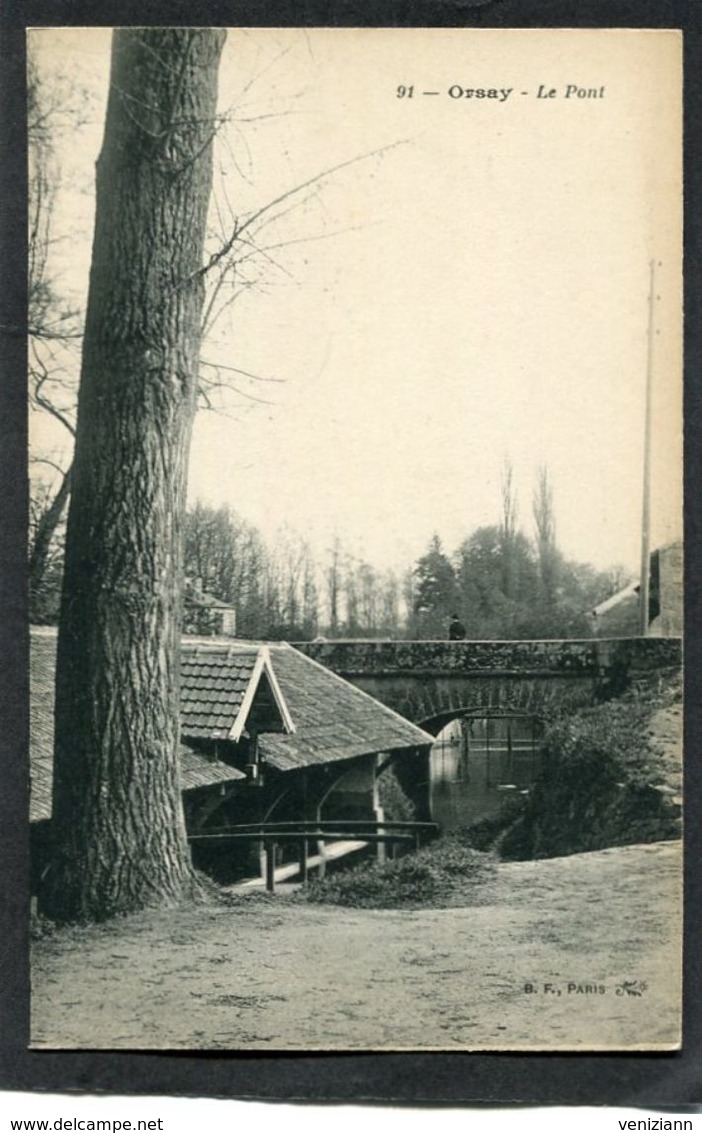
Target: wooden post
{"type": "Point", "coordinates": [378, 812]}
{"type": "Point", "coordinates": [321, 847]}
{"type": "Point", "coordinates": [303, 861]}
{"type": "Point", "coordinates": [270, 866]}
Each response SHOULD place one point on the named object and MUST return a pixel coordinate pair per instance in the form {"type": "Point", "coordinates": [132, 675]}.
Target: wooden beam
{"type": "Point", "coordinates": [312, 825]}
{"type": "Point", "coordinates": [296, 835]}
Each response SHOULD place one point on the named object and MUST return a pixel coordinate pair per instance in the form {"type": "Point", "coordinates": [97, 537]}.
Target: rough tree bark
{"type": "Point", "coordinates": [119, 835]}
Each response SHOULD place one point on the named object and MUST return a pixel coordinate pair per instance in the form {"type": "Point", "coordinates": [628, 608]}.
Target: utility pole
{"type": "Point", "coordinates": [646, 507]}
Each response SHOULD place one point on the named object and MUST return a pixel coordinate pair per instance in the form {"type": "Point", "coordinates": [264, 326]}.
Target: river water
{"type": "Point", "coordinates": [477, 763]}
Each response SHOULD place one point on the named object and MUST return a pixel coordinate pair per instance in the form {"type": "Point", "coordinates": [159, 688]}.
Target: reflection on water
{"type": "Point", "coordinates": [479, 762]}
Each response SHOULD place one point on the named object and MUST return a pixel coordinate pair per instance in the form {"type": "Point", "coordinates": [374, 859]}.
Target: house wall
{"type": "Point", "coordinates": [670, 621]}
{"type": "Point", "coordinates": [228, 623]}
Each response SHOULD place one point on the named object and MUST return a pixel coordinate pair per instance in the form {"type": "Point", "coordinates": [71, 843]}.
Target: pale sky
{"type": "Point", "coordinates": [475, 292]}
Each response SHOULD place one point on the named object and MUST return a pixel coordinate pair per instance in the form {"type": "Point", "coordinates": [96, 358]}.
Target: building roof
{"type": "Point", "coordinates": [224, 684]}
{"type": "Point", "coordinates": [334, 719]}
{"type": "Point", "coordinates": [623, 595]}
{"type": "Point", "coordinates": [223, 687]}
{"type": "Point", "coordinates": [41, 721]}
{"type": "Point", "coordinates": [196, 769]}
{"type": "Point", "coordinates": [194, 595]}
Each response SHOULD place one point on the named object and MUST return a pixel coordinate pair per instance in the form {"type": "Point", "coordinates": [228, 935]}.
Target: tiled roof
{"type": "Point", "coordinates": [219, 682]}
{"type": "Point", "coordinates": [213, 683]}
{"type": "Point", "coordinates": [333, 719]}
{"type": "Point", "coordinates": [41, 721]}
{"type": "Point", "coordinates": [196, 770]}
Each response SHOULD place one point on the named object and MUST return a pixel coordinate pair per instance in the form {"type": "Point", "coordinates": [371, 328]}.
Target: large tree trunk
{"type": "Point", "coordinates": [119, 834]}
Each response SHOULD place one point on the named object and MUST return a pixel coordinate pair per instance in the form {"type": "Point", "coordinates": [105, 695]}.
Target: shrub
{"type": "Point", "coordinates": [396, 805]}
{"type": "Point", "coordinates": [442, 874]}
{"type": "Point", "coordinates": [599, 783]}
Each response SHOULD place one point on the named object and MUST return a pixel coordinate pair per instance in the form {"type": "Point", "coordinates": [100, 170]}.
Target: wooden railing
{"type": "Point", "coordinates": [271, 834]}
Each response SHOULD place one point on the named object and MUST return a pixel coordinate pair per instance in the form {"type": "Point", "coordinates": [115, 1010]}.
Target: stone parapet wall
{"type": "Point", "coordinates": [433, 658]}
{"type": "Point", "coordinates": [431, 682]}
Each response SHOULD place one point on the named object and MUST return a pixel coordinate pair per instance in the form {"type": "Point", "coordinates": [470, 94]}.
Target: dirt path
{"type": "Point", "coordinates": [283, 975]}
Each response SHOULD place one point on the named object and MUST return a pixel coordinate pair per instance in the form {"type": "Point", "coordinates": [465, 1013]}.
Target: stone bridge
{"type": "Point", "coordinates": [432, 682]}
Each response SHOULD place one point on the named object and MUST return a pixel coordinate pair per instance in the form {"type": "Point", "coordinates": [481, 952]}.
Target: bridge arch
{"type": "Point", "coordinates": [514, 699]}
{"type": "Point", "coordinates": [483, 763]}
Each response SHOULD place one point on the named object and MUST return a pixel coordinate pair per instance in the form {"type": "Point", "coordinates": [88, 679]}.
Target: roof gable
{"type": "Point", "coordinates": [334, 719]}
{"type": "Point", "coordinates": [225, 687]}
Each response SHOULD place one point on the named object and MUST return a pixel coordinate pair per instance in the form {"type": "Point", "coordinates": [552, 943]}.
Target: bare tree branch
{"type": "Point", "coordinates": [222, 252]}
{"type": "Point", "coordinates": [237, 370]}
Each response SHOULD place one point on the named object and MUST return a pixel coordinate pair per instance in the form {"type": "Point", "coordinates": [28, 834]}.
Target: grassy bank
{"type": "Point", "coordinates": [610, 777]}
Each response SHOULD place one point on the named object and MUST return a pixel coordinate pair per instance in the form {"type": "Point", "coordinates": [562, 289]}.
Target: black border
{"type": "Point", "coordinates": [672, 1080]}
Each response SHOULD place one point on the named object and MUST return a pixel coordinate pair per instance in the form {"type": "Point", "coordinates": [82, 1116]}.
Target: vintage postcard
{"type": "Point", "coordinates": [370, 738]}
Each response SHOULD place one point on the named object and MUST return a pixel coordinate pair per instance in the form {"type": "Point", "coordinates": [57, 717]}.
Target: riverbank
{"type": "Point", "coordinates": [519, 968]}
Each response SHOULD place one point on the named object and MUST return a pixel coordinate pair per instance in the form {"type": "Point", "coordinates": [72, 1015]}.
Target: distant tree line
{"type": "Point", "coordinates": [500, 592]}
{"type": "Point", "coordinates": [503, 584]}
{"type": "Point", "coordinates": [500, 582]}
{"type": "Point", "coordinates": [278, 589]}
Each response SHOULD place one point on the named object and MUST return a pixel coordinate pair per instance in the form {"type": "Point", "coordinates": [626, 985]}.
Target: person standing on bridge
{"type": "Point", "coordinates": [457, 630]}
